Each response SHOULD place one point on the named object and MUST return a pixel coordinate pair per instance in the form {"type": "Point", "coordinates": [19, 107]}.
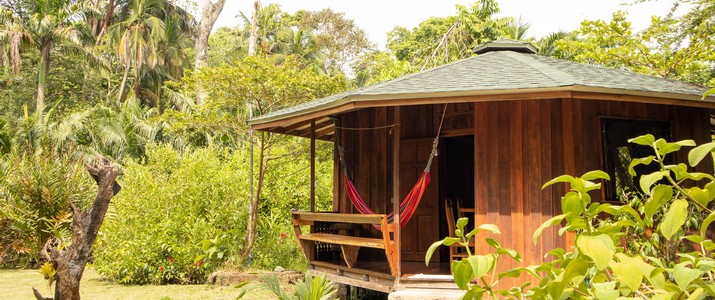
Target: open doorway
{"type": "Point", "coordinates": [456, 180]}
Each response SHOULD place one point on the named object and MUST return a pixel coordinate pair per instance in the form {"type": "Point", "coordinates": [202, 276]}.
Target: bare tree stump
{"type": "Point", "coordinates": [70, 262]}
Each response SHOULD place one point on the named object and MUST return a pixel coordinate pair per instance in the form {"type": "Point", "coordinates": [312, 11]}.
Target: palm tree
{"type": "Point", "coordinates": [516, 29]}
{"type": "Point", "coordinates": [12, 38]}
{"type": "Point", "coordinates": [136, 38]}
{"type": "Point", "coordinates": [53, 23]}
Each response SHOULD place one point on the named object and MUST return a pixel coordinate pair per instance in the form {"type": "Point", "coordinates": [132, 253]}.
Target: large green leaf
{"type": "Point", "coordinates": [627, 273]}
{"type": "Point", "coordinates": [462, 273]}
{"type": "Point", "coordinates": [697, 154]}
{"type": "Point", "coordinates": [562, 178]}
{"type": "Point", "coordinates": [648, 180]}
{"type": "Point", "coordinates": [674, 218]}
{"type": "Point", "coordinates": [599, 248]}
{"type": "Point", "coordinates": [606, 291]}
{"type": "Point", "coordinates": [703, 196]}
{"type": "Point", "coordinates": [490, 227]}
{"type": "Point", "coordinates": [704, 226]}
{"type": "Point", "coordinates": [665, 148]}
{"type": "Point", "coordinates": [684, 275]}
{"type": "Point", "coordinates": [639, 161]}
{"type": "Point", "coordinates": [550, 222]}
{"type": "Point", "coordinates": [661, 194]}
{"type": "Point", "coordinates": [597, 174]}
{"type": "Point", "coordinates": [571, 204]}
{"type": "Point", "coordinates": [481, 264]}
{"type": "Point", "coordinates": [645, 140]}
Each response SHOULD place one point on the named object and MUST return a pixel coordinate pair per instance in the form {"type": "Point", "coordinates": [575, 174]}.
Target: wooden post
{"type": "Point", "coordinates": [312, 165]}
{"type": "Point", "coordinates": [396, 191]}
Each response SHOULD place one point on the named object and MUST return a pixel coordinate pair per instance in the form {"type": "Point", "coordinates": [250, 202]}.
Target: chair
{"type": "Point", "coordinates": [456, 250]}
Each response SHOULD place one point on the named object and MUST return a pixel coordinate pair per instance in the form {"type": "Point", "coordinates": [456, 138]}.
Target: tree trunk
{"type": "Point", "coordinates": [107, 20]}
{"type": "Point", "coordinates": [253, 37]}
{"type": "Point", "coordinates": [253, 206]}
{"type": "Point", "coordinates": [124, 82]}
{"type": "Point", "coordinates": [42, 76]}
{"type": "Point", "coordinates": [70, 262]}
{"type": "Point", "coordinates": [209, 14]}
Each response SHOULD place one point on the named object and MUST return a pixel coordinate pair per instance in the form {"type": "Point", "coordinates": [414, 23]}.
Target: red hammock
{"type": "Point", "coordinates": [408, 206]}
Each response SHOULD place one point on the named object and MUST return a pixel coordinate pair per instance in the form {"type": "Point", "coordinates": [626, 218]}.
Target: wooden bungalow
{"type": "Point", "coordinates": [510, 121]}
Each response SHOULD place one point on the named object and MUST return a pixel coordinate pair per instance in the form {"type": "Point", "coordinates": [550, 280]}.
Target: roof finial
{"type": "Point", "coordinates": [506, 45]}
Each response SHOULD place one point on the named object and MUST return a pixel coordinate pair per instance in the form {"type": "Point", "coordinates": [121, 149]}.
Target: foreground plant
{"type": "Point", "coordinates": [311, 288]}
{"type": "Point", "coordinates": [672, 214]}
{"type": "Point", "coordinates": [480, 267]}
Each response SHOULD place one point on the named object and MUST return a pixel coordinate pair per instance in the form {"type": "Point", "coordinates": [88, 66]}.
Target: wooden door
{"type": "Point", "coordinates": [423, 229]}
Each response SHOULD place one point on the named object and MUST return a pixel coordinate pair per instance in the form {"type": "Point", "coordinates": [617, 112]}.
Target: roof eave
{"type": "Point", "coordinates": [573, 91]}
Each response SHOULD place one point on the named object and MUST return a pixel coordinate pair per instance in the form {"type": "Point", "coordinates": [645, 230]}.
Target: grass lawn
{"type": "Point", "coordinates": [18, 284]}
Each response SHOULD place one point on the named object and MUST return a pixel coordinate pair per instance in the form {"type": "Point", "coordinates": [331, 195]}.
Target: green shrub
{"type": "Point", "coordinates": [35, 190]}
{"type": "Point", "coordinates": [178, 217]}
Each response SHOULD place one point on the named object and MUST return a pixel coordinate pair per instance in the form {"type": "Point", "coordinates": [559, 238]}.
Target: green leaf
{"type": "Point", "coordinates": [550, 222]}
{"type": "Point", "coordinates": [606, 291]}
{"type": "Point", "coordinates": [562, 178]}
{"type": "Point", "coordinates": [462, 273]}
{"type": "Point", "coordinates": [481, 264]}
{"type": "Point", "coordinates": [431, 250]}
{"type": "Point", "coordinates": [645, 140]}
{"type": "Point", "coordinates": [697, 154]}
{"type": "Point", "coordinates": [628, 274]}
{"type": "Point", "coordinates": [599, 248]}
{"type": "Point", "coordinates": [706, 223]}
{"type": "Point", "coordinates": [708, 93]}
{"type": "Point", "coordinates": [666, 148]}
{"type": "Point", "coordinates": [702, 196]}
{"type": "Point", "coordinates": [674, 218]}
{"type": "Point", "coordinates": [571, 204]}
{"type": "Point", "coordinates": [494, 243]}
{"type": "Point", "coordinates": [639, 161]}
{"type": "Point", "coordinates": [648, 180]}
{"type": "Point", "coordinates": [511, 252]}
{"type": "Point", "coordinates": [660, 195]}
{"type": "Point", "coordinates": [684, 276]}
{"type": "Point", "coordinates": [597, 174]}
{"type": "Point", "coordinates": [668, 296]}
{"type": "Point", "coordinates": [461, 222]}
{"type": "Point", "coordinates": [490, 227]}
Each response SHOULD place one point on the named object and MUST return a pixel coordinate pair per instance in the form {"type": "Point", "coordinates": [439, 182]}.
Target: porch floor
{"type": "Point", "coordinates": [375, 275]}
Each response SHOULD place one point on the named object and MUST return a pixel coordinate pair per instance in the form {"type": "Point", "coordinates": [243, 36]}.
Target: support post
{"type": "Point", "coordinates": [312, 165]}
{"type": "Point", "coordinates": [396, 192]}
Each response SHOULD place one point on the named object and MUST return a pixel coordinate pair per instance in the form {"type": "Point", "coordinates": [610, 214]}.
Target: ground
{"type": "Point", "coordinates": [18, 284]}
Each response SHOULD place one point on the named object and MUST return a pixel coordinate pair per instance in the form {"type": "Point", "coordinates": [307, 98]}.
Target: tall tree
{"type": "Point", "coordinates": [438, 41]}
{"type": "Point", "coordinates": [340, 41]}
{"type": "Point", "coordinates": [209, 13]}
{"type": "Point", "coordinates": [52, 23]}
{"type": "Point", "coordinates": [678, 48]}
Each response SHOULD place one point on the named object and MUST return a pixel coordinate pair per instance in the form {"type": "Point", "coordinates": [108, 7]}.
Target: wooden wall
{"type": "Point", "coordinates": [519, 145]}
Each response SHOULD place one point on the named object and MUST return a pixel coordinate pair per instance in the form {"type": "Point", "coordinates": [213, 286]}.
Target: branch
{"type": "Point", "coordinates": [39, 296]}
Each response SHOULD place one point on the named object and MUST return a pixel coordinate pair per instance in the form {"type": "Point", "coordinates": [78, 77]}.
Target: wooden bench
{"type": "Point", "coordinates": [349, 245]}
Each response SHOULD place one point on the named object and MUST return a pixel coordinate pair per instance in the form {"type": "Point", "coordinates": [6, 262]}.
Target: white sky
{"type": "Point", "coordinates": [377, 17]}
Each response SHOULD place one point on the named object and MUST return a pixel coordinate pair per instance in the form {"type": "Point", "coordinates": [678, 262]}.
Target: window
{"type": "Point", "coordinates": [618, 153]}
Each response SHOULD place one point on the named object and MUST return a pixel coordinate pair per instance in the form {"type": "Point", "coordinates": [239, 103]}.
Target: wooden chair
{"type": "Point", "coordinates": [456, 250]}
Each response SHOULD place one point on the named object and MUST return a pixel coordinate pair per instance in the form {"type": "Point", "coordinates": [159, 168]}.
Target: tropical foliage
{"type": "Point", "coordinates": [657, 246]}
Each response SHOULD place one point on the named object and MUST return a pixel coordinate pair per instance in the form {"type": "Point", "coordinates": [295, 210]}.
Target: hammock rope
{"type": "Point", "coordinates": [409, 204]}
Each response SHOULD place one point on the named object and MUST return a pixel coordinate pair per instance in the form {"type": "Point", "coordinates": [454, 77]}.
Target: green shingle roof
{"type": "Point", "coordinates": [500, 72]}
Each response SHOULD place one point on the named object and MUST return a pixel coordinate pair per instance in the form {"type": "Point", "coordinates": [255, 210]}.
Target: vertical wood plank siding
{"type": "Point", "coordinates": [519, 145]}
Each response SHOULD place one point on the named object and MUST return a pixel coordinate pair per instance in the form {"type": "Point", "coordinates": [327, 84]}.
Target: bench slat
{"type": "Point", "coordinates": [375, 219]}
{"type": "Point", "coordinates": [344, 240]}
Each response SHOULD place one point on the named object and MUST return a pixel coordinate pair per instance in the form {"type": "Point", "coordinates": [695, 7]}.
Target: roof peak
{"type": "Point", "coordinates": [506, 45]}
